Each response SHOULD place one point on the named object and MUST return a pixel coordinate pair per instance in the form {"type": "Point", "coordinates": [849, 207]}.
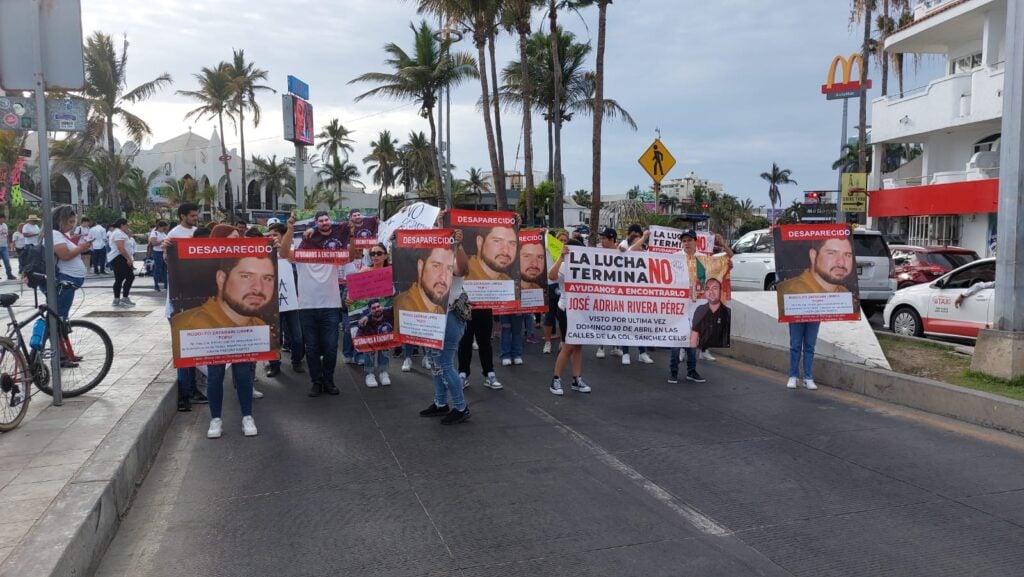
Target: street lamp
{"type": "Point", "coordinates": [447, 35]}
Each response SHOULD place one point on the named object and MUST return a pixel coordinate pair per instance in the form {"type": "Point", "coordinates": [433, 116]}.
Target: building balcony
{"type": "Point", "coordinates": [948, 102]}
{"type": "Point", "coordinates": [940, 24]}
{"type": "Point", "coordinates": [945, 197]}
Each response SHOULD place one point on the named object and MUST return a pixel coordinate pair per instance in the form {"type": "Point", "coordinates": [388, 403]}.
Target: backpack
{"type": "Point", "coordinates": [33, 265]}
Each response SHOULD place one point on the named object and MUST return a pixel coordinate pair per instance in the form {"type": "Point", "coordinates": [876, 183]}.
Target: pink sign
{"type": "Point", "coordinates": [370, 283]}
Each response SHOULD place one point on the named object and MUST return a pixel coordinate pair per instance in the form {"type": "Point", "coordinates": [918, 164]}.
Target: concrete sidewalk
{"type": "Point", "coordinates": [61, 460]}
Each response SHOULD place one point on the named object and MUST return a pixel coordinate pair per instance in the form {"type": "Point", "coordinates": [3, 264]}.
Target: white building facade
{"type": "Point", "coordinates": [950, 193]}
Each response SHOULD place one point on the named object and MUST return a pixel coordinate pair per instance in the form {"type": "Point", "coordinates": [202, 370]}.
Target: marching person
{"type": "Point", "coordinates": [553, 295]}
{"type": "Point", "coordinates": [609, 239]}
{"type": "Point", "coordinates": [121, 258]}
{"type": "Point", "coordinates": [636, 240]}
{"type": "Point", "coordinates": [320, 305]}
{"type": "Point", "coordinates": [568, 353]}
{"type": "Point", "coordinates": [291, 328]}
{"type": "Point", "coordinates": [375, 361]}
{"type": "Point", "coordinates": [802, 338]}
{"type": "Point", "coordinates": [188, 392]}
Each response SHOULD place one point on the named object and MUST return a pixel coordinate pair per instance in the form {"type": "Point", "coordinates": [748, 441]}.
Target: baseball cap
{"type": "Point", "coordinates": [688, 233]}
{"type": "Point", "coordinates": [273, 221]}
{"type": "Point", "coordinates": [610, 233]}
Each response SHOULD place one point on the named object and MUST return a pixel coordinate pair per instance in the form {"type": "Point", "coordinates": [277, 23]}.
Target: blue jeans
{"type": "Point", "coordinates": [291, 333]}
{"type": "Point", "coordinates": [802, 337]}
{"type": "Point", "coordinates": [65, 297]}
{"type": "Point", "coordinates": [691, 360]}
{"type": "Point", "coordinates": [5, 254]}
{"type": "Point", "coordinates": [241, 373]}
{"type": "Point", "coordinates": [376, 360]}
{"type": "Point", "coordinates": [447, 384]}
{"type": "Point", "coordinates": [159, 269]}
{"type": "Point", "coordinates": [511, 335]}
{"type": "Point", "coordinates": [99, 260]}
{"type": "Point", "coordinates": [347, 348]}
{"type": "Point", "coordinates": [528, 322]}
{"type": "Point", "coordinates": [320, 335]}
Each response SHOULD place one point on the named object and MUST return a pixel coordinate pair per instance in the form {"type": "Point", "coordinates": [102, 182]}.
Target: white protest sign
{"type": "Point", "coordinates": [416, 216]}
{"type": "Point", "coordinates": [666, 239]}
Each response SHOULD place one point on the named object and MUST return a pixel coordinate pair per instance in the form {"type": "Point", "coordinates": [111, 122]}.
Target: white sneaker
{"type": "Point", "coordinates": [476, 347]}
{"type": "Point", "coordinates": [256, 394]}
{"type": "Point", "coordinates": [506, 362]}
{"type": "Point", "coordinates": [556, 387]}
{"type": "Point", "coordinates": [371, 380]}
{"type": "Point", "coordinates": [625, 359]}
{"type": "Point", "coordinates": [791, 383]}
{"type": "Point", "coordinates": [517, 361]}
{"type": "Point", "coordinates": [406, 365]}
{"type": "Point", "coordinates": [579, 385]}
{"type": "Point", "coordinates": [248, 426]}
{"type": "Point", "coordinates": [216, 429]}
{"type": "Point", "coordinates": [547, 347]}
{"type": "Point", "coordinates": [491, 382]}
{"type": "Point", "coordinates": [385, 379]}
{"type": "Point", "coordinates": [427, 363]}
{"type": "Point", "coordinates": [116, 303]}
{"type": "Point", "coordinates": [809, 384]}
{"type": "Point", "coordinates": [600, 352]}
{"type": "Point", "coordinates": [645, 359]}
{"type": "Point", "coordinates": [617, 351]}
{"type": "Point", "coordinates": [706, 356]}
{"type": "Point", "coordinates": [465, 380]}
{"type": "Point", "coordinates": [127, 302]}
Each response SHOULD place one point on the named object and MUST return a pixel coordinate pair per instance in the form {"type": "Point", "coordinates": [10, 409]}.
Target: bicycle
{"type": "Point", "coordinates": [86, 353]}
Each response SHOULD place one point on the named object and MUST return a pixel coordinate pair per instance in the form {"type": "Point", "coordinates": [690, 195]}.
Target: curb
{"type": "Point", "coordinates": [977, 407]}
{"type": "Point", "coordinates": [72, 536]}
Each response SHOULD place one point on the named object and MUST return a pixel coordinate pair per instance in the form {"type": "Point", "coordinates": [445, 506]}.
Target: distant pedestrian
{"type": "Point", "coordinates": [568, 353]}
{"type": "Point", "coordinates": [156, 246]}
{"type": "Point", "coordinates": [70, 267]}
{"type": "Point", "coordinates": [802, 338]}
{"type": "Point", "coordinates": [121, 258]}
{"type": "Point", "coordinates": [5, 251]}
{"type": "Point", "coordinates": [18, 240]}
{"type": "Point", "coordinates": [98, 234]}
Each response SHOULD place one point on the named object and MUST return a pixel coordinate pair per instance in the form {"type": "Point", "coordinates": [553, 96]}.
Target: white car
{"type": "Point", "coordinates": [930, 309]}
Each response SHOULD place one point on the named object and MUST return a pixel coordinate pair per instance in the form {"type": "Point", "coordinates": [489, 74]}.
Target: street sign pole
{"type": "Point", "coordinates": [840, 214]}
{"type": "Point", "coordinates": [44, 177]}
{"type": "Point", "coordinates": [300, 186]}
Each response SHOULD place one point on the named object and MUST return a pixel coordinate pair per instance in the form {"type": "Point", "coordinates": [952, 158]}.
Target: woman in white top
{"type": "Point", "coordinates": [122, 259]}
{"type": "Point", "coordinates": [70, 266]}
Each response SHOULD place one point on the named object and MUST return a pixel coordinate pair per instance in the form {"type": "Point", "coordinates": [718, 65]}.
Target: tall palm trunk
{"type": "Point", "coordinates": [241, 136]}
{"type": "Point", "coordinates": [863, 116]}
{"type": "Point", "coordinates": [556, 115]}
{"type": "Point", "coordinates": [112, 182]}
{"type": "Point", "coordinates": [435, 165]}
{"type": "Point", "coordinates": [499, 179]}
{"type": "Point", "coordinates": [551, 150]}
{"type": "Point", "coordinates": [881, 47]}
{"type": "Point", "coordinates": [480, 40]}
{"type": "Point", "coordinates": [595, 194]}
{"type": "Point", "coordinates": [228, 196]}
{"type": "Point", "coordinates": [523, 28]}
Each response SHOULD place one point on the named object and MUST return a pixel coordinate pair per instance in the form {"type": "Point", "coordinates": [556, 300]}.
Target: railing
{"type": "Point", "coordinates": [942, 177]}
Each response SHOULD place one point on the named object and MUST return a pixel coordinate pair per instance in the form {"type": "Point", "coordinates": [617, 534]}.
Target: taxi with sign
{"type": "Point", "coordinates": [932, 309]}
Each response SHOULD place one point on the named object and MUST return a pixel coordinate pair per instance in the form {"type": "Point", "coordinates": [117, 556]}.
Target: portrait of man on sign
{"type": "Point", "coordinates": [429, 294]}
{"type": "Point", "coordinates": [830, 269]}
{"type": "Point", "coordinates": [496, 251]}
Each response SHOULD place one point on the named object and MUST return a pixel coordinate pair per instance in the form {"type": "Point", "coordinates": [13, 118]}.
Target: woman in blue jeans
{"type": "Point", "coordinates": [802, 338]}
{"type": "Point", "coordinates": [242, 374]}
{"type": "Point", "coordinates": [70, 266]}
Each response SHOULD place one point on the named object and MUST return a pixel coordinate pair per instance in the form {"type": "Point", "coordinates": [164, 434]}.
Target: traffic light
{"type": "Point", "coordinates": [704, 206]}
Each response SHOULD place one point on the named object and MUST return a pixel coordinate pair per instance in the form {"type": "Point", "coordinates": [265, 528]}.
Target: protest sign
{"type": "Point", "coordinates": [417, 216]}
{"type": "Point", "coordinates": [371, 312]}
{"type": "Point", "coordinates": [369, 283]}
{"type": "Point", "coordinates": [327, 244]}
{"type": "Point", "coordinates": [533, 272]}
{"type": "Point", "coordinates": [664, 239]}
{"type": "Point", "coordinates": [626, 298]}
{"type": "Point", "coordinates": [224, 300]}
{"type": "Point", "coordinates": [423, 263]}
{"type": "Point", "coordinates": [554, 249]}
{"type": "Point", "coordinates": [817, 273]}
{"type": "Point", "coordinates": [491, 241]}
{"type": "Point", "coordinates": [287, 295]}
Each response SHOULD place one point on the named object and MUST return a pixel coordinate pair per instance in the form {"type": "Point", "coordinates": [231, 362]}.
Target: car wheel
{"type": "Point", "coordinates": [770, 284]}
{"type": "Point", "coordinates": [905, 321]}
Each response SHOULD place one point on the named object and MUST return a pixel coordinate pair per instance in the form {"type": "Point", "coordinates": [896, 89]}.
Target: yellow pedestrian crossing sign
{"type": "Point", "coordinates": [657, 160]}
{"type": "Point", "coordinates": [853, 197]}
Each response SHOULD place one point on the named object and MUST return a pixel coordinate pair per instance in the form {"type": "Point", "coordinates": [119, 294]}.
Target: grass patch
{"type": "Point", "coordinates": [942, 363]}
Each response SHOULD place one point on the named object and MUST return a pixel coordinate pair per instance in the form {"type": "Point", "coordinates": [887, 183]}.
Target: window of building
{"type": "Point", "coordinates": [988, 144]}
{"type": "Point", "coordinates": [965, 63]}
{"type": "Point", "coordinates": [935, 230]}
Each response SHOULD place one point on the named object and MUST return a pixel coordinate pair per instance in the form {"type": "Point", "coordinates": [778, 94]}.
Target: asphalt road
{"type": "Point", "coordinates": [738, 476]}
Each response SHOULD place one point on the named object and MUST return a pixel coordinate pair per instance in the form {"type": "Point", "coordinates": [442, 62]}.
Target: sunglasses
{"type": "Point", "coordinates": [378, 253]}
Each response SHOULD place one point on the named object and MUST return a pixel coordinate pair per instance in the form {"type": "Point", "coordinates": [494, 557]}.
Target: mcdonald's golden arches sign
{"type": "Point", "coordinates": [847, 88]}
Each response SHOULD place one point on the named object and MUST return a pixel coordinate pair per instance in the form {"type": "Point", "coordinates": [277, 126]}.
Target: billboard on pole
{"type": "Point", "coordinates": [60, 28]}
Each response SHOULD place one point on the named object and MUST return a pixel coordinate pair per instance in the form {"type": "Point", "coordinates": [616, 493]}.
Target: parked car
{"type": "Point", "coordinates": [753, 266]}
{"type": "Point", "coordinates": [930, 309]}
{"type": "Point", "coordinates": [924, 264]}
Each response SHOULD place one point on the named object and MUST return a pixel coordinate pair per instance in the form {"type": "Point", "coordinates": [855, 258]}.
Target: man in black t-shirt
{"type": "Point", "coordinates": [711, 322]}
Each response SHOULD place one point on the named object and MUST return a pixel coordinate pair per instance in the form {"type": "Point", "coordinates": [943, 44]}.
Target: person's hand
{"type": "Point", "coordinates": [457, 235]}
{"type": "Point", "coordinates": [362, 321]}
{"type": "Point", "coordinates": [307, 234]}
{"type": "Point", "coordinates": [719, 240]}
{"type": "Point", "coordinates": [291, 219]}
{"type": "Point", "coordinates": [959, 300]}
{"type": "Point", "coordinates": [647, 235]}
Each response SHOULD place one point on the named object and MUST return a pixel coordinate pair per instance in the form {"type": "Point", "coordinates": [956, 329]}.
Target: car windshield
{"type": "Point", "coordinates": [948, 260]}
{"type": "Point", "coordinates": [865, 245]}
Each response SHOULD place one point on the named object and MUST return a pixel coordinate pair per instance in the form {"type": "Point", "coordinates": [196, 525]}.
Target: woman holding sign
{"type": "Point", "coordinates": [377, 320]}
{"type": "Point", "coordinates": [568, 352]}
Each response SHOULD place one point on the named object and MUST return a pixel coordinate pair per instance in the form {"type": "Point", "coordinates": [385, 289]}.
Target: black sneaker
{"type": "Point", "coordinates": [298, 369]}
{"type": "Point", "coordinates": [330, 389]}
{"type": "Point", "coordinates": [184, 404]}
{"type": "Point", "coordinates": [273, 371]}
{"type": "Point", "coordinates": [199, 398]}
{"type": "Point", "coordinates": [435, 411]}
{"type": "Point", "coordinates": [455, 417]}
{"type": "Point", "coordinates": [673, 378]}
{"type": "Point", "coordinates": [695, 377]}
{"type": "Point", "coordinates": [316, 390]}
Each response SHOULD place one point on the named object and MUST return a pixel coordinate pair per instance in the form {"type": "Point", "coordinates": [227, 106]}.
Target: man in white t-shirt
{"type": "Point", "coordinates": [98, 234]}
{"type": "Point", "coordinates": [156, 245]}
{"type": "Point", "coordinates": [30, 230]}
{"type": "Point", "coordinates": [188, 392]}
{"type": "Point", "coordinates": [5, 251]}
{"type": "Point", "coordinates": [320, 314]}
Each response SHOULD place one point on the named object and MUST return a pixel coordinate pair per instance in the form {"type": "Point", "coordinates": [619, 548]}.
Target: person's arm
{"type": "Point", "coordinates": [64, 253]}
{"type": "Point", "coordinates": [553, 273]}
{"type": "Point", "coordinates": [975, 288]}
{"type": "Point", "coordinates": [285, 250]}
{"type": "Point", "coordinates": [461, 260]}
{"type": "Point", "coordinates": [639, 244]}
{"type": "Point", "coordinates": [27, 234]}
{"type": "Point", "coordinates": [720, 243]}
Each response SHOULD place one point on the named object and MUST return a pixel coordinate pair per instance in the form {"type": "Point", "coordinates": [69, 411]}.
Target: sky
{"type": "Point", "coordinates": [732, 85]}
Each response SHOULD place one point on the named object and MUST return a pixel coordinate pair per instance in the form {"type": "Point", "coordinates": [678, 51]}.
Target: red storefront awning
{"type": "Point", "coordinates": [965, 197]}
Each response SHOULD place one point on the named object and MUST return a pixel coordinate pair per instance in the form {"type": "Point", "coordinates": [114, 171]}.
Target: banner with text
{"type": "Point", "coordinates": [533, 274]}
{"type": "Point", "coordinates": [224, 301]}
{"type": "Point", "coordinates": [626, 298]}
{"type": "Point", "coordinates": [416, 216]}
{"type": "Point", "coordinates": [664, 239]}
{"type": "Point", "coordinates": [423, 263]}
{"type": "Point", "coordinates": [491, 241]}
{"type": "Point", "coordinates": [817, 273]}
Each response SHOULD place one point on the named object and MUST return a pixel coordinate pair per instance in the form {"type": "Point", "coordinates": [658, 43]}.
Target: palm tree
{"type": "Point", "coordinates": [207, 197]}
{"type": "Point", "coordinates": [71, 156]}
{"type": "Point", "coordinates": [414, 161]}
{"type": "Point", "coordinates": [110, 169]}
{"type": "Point", "coordinates": [850, 157]}
{"type": "Point", "coordinates": [216, 95]}
{"type": "Point", "coordinates": [339, 172]}
{"type": "Point", "coordinates": [861, 10]}
{"type": "Point", "coordinates": [245, 79]}
{"type": "Point", "coordinates": [774, 178]}
{"type": "Point", "coordinates": [477, 183]}
{"type": "Point", "coordinates": [334, 138]}
{"type": "Point", "coordinates": [384, 161]}
{"type": "Point", "coordinates": [135, 187]}
{"type": "Point", "coordinates": [668, 203]}
{"type": "Point", "coordinates": [106, 74]}
{"type": "Point", "coordinates": [746, 209]}
{"type": "Point", "coordinates": [179, 191]}
{"type": "Point", "coordinates": [582, 198]}
{"type": "Point", "coordinates": [602, 27]}
{"type": "Point", "coordinates": [271, 175]}
{"type": "Point", "coordinates": [420, 75]}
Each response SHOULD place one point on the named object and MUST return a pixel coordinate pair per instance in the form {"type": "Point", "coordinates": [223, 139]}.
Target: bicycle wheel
{"type": "Point", "coordinates": [15, 385]}
{"type": "Point", "coordinates": [86, 355]}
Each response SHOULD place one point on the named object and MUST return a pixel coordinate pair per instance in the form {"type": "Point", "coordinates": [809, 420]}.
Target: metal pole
{"type": "Point", "coordinates": [840, 215]}
{"type": "Point", "coordinates": [44, 176]}
{"type": "Point", "coordinates": [300, 184]}
{"type": "Point", "coordinates": [448, 140]}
